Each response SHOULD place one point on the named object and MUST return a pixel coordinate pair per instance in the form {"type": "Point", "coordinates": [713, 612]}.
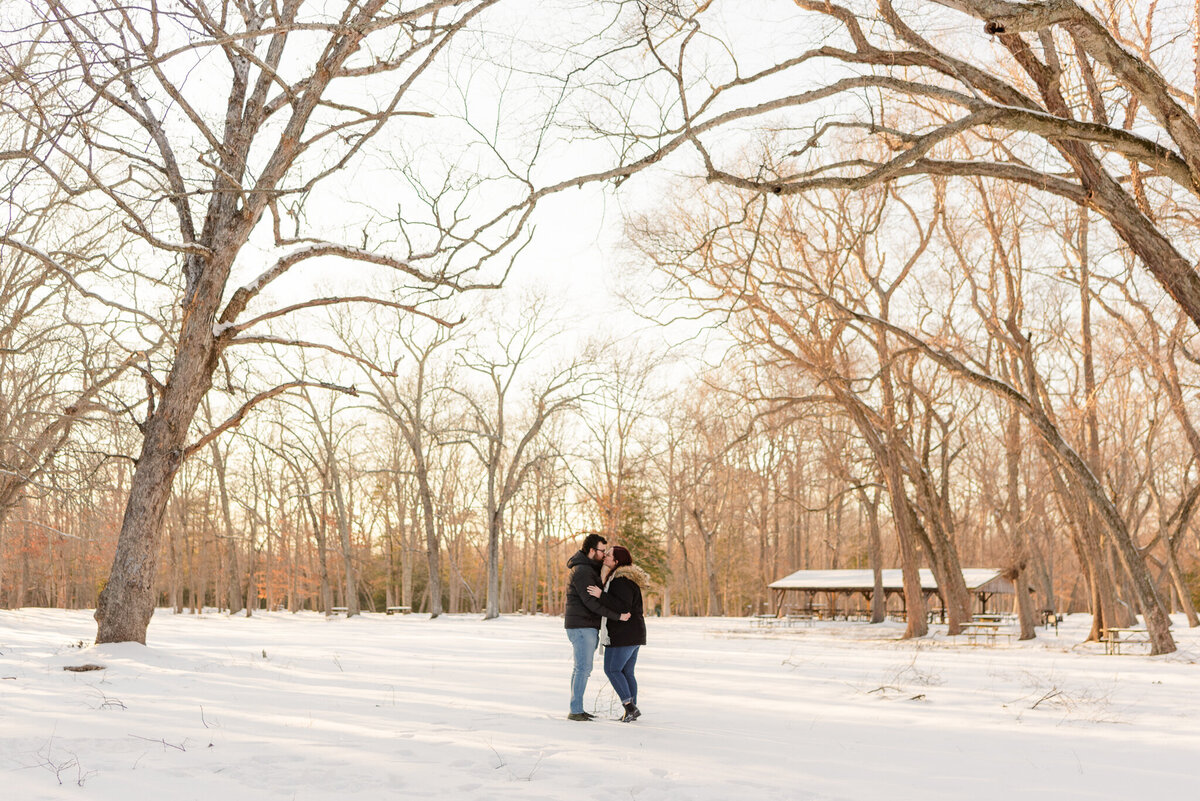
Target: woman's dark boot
{"type": "Point", "coordinates": [631, 712]}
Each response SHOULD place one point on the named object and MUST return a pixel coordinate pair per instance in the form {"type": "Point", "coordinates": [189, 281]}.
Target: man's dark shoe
{"type": "Point", "coordinates": [579, 716]}
{"type": "Point", "coordinates": [631, 713]}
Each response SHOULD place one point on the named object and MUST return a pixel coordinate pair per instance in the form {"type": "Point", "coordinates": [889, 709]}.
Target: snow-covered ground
{"type": "Point", "coordinates": [285, 706]}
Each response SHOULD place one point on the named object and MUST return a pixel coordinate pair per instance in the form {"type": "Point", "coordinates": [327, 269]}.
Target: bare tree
{"type": "Point", "coordinates": [411, 406]}
{"type": "Point", "coordinates": [502, 444]}
{"type": "Point", "coordinates": [305, 89]}
{"type": "Point", "coordinates": [301, 460]}
{"type": "Point", "coordinates": [616, 413]}
{"type": "Point", "coordinates": [740, 258]}
{"type": "Point", "coordinates": [1057, 73]}
{"type": "Point", "coordinates": [710, 480]}
{"type": "Point", "coordinates": [334, 467]}
{"type": "Point", "coordinates": [56, 372]}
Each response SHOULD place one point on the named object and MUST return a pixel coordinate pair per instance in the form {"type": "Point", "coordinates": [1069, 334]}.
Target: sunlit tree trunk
{"type": "Point", "coordinates": [1017, 526]}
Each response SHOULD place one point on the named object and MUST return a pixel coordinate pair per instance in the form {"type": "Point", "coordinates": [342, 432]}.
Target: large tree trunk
{"type": "Point", "coordinates": [1181, 586]}
{"type": "Point", "coordinates": [708, 538]}
{"type": "Point", "coordinates": [343, 525]}
{"type": "Point", "coordinates": [875, 556]}
{"type": "Point", "coordinates": [389, 559]}
{"type": "Point", "coordinates": [939, 528]}
{"type": "Point", "coordinates": [408, 533]}
{"type": "Point", "coordinates": [914, 595]}
{"type": "Point", "coordinates": [954, 590]}
{"type": "Point", "coordinates": [495, 522]}
{"type": "Point", "coordinates": [903, 517]}
{"type": "Point", "coordinates": [233, 579]}
{"type": "Point", "coordinates": [433, 545]}
{"type": "Point", "coordinates": [127, 601]}
{"type": "Point", "coordinates": [946, 568]}
{"type": "Point", "coordinates": [454, 582]}
{"type": "Point", "coordinates": [888, 454]}
{"type": "Point", "coordinates": [6, 601]}
{"type": "Point", "coordinates": [1018, 535]}
{"type": "Point", "coordinates": [1125, 591]}
{"type": "Point", "coordinates": [175, 528]}
{"type": "Point", "coordinates": [1087, 548]}
{"type": "Point", "coordinates": [233, 594]}
{"type": "Point", "coordinates": [318, 525]}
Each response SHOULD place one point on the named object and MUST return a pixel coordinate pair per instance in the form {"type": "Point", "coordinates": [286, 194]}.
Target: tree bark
{"type": "Point", "coordinates": [707, 538]}
{"type": "Point", "coordinates": [350, 574]}
{"type": "Point", "coordinates": [127, 602]}
{"type": "Point", "coordinates": [433, 545]}
{"type": "Point", "coordinates": [1016, 526]}
{"type": "Point", "coordinates": [875, 556]}
{"type": "Point", "coordinates": [494, 522]}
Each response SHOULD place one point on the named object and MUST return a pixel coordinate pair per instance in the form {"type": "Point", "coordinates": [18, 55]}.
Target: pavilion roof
{"type": "Point", "coordinates": [977, 580]}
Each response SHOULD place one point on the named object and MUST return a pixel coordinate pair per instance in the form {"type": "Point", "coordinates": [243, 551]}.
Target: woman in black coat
{"type": "Point", "coordinates": [623, 584]}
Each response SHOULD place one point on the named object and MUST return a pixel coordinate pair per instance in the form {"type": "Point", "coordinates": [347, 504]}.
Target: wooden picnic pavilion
{"type": "Point", "coordinates": [798, 592]}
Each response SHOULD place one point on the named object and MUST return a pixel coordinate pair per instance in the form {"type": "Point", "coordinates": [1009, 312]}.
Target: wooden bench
{"type": "Point", "coordinates": [795, 617]}
{"type": "Point", "coordinates": [1114, 638]}
{"type": "Point", "coordinates": [339, 610]}
{"type": "Point", "coordinates": [764, 620]}
{"type": "Point", "coordinates": [404, 610]}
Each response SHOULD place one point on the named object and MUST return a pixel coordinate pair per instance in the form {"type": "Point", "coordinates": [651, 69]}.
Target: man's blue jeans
{"type": "Point", "coordinates": [583, 643]}
{"type": "Point", "coordinates": [619, 661]}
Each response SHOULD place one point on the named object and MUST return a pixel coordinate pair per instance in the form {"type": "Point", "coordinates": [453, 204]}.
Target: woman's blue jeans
{"type": "Point", "coordinates": [583, 646]}
{"type": "Point", "coordinates": [619, 662]}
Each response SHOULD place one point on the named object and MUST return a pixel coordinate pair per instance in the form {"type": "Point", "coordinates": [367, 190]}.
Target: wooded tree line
{"type": "Point", "coordinates": [946, 254]}
{"type": "Point", "coordinates": [723, 484]}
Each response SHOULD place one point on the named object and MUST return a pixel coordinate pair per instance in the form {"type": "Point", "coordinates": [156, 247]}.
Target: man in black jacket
{"type": "Point", "coordinates": [582, 616]}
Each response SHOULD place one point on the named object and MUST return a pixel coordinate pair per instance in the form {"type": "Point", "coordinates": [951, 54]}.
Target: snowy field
{"type": "Point", "coordinates": [288, 706]}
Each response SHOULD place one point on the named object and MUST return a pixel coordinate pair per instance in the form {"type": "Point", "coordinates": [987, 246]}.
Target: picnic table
{"type": "Point", "coordinates": [404, 610]}
{"type": "Point", "coordinates": [768, 620]}
{"type": "Point", "coordinates": [1114, 637]}
{"type": "Point", "coordinates": [988, 629]}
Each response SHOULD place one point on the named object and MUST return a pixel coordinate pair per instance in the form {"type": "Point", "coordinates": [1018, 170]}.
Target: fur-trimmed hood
{"type": "Point", "coordinates": [633, 573]}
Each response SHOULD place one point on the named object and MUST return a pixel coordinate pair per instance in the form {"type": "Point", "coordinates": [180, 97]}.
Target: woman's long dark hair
{"type": "Point", "coordinates": [621, 556]}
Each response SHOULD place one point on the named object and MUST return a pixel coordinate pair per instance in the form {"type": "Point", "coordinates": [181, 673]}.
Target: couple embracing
{"type": "Point", "coordinates": [604, 607]}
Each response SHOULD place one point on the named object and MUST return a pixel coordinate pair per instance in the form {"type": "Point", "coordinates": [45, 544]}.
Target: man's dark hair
{"type": "Point", "coordinates": [591, 541]}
